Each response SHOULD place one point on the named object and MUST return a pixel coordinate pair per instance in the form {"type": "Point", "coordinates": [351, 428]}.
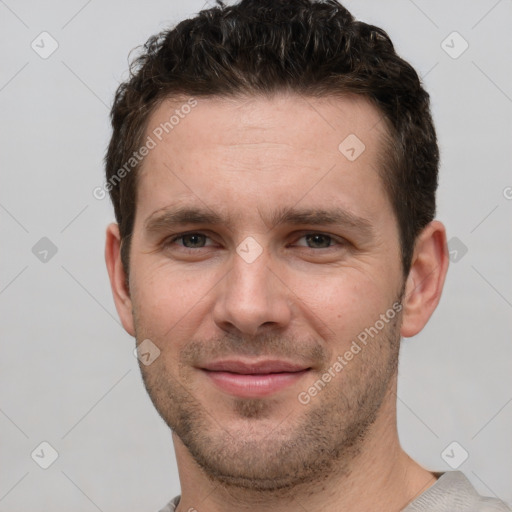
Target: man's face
{"type": "Point", "coordinates": [264, 275]}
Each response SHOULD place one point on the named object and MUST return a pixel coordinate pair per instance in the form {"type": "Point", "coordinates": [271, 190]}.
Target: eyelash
{"type": "Point", "coordinates": [334, 241]}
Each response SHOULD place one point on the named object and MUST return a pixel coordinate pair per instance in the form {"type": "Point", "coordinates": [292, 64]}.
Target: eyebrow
{"type": "Point", "coordinates": [320, 216]}
{"type": "Point", "coordinates": [167, 218]}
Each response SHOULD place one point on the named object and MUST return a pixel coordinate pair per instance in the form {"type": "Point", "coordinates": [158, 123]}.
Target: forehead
{"type": "Point", "coordinates": [249, 119]}
{"type": "Point", "coordinates": [285, 147]}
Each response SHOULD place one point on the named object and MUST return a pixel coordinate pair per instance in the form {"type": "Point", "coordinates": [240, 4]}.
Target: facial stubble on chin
{"type": "Point", "coordinates": [288, 449]}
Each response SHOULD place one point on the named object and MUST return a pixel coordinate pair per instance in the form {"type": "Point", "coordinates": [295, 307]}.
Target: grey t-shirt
{"type": "Point", "coordinates": [452, 492]}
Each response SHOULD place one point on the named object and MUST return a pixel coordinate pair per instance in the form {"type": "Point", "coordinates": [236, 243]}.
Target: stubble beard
{"type": "Point", "coordinates": [271, 452]}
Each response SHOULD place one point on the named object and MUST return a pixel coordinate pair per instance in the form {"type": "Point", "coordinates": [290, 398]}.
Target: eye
{"type": "Point", "coordinates": [318, 241]}
{"type": "Point", "coordinates": [190, 240]}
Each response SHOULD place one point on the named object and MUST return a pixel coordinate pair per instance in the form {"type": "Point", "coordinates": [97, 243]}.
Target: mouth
{"type": "Point", "coordinates": [254, 379]}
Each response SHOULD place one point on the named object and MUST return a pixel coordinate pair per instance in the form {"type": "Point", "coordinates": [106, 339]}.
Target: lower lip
{"type": "Point", "coordinates": [253, 386]}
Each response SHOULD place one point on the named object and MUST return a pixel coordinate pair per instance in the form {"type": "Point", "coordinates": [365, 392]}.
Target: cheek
{"type": "Point", "coordinates": [343, 305]}
{"type": "Point", "coordinates": [168, 301]}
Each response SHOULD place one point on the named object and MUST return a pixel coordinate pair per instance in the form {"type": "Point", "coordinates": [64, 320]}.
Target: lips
{"type": "Point", "coordinates": [253, 379]}
{"type": "Point", "coordinates": [255, 368]}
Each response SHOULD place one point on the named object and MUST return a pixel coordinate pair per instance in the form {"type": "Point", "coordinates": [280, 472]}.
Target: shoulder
{"type": "Point", "coordinates": [453, 492]}
{"type": "Point", "coordinates": [171, 506]}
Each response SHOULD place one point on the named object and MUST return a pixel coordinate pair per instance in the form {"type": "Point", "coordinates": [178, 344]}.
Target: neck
{"type": "Point", "coordinates": [381, 477]}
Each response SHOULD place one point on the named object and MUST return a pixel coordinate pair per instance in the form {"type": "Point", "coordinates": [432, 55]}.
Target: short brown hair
{"type": "Point", "coordinates": [310, 47]}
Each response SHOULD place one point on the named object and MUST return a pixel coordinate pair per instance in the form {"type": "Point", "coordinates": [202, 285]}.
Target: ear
{"type": "Point", "coordinates": [117, 277]}
{"type": "Point", "coordinates": [426, 278]}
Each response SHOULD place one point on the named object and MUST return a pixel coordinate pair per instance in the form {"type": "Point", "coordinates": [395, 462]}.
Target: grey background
{"type": "Point", "coordinates": [68, 374]}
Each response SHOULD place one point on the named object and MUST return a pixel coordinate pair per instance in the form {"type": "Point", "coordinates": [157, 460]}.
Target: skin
{"type": "Point", "coordinates": [304, 299]}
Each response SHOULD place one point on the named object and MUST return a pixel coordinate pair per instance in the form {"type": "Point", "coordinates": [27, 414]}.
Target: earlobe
{"type": "Point", "coordinates": [117, 278]}
{"type": "Point", "coordinates": [426, 278]}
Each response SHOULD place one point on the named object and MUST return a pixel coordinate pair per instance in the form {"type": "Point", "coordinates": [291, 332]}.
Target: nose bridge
{"type": "Point", "coordinates": [250, 272]}
{"type": "Point", "coordinates": [251, 295]}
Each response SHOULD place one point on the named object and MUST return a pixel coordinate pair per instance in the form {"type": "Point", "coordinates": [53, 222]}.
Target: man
{"type": "Point", "coordinates": [273, 169]}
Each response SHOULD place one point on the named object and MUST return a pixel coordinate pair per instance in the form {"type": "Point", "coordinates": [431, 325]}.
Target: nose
{"type": "Point", "coordinates": [252, 298]}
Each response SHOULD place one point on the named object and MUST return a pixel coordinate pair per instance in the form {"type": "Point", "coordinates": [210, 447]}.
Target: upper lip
{"type": "Point", "coordinates": [255, 368]}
